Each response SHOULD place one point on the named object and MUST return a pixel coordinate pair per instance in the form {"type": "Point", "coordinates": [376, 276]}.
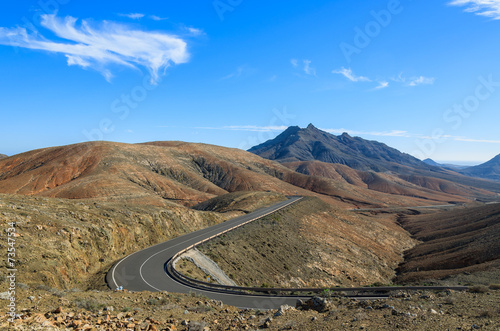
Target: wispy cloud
{"type": "Point", "coordinates": [308, 69]}
{"type": "Point", "coordinates": [488, 8]}
{"type": "Point", "coordinates": [239, 72]}
{"type": "Point", "coordinates": [392, 133]}
{"type": "Point", "coordinates": [157, 18]}
{"type": "Point", "coordinates": [382, 85]}
{"type": "Point", "coordinates": [134, 16]}
{"type": "Point", "coordinates": [252, 128]}
{"type": "Point", "coordinates": [414, 81]}
{"type": "Point", "coordinates": [347, 73]}
{"type": "Point", "coordinates": [100, 46]}
{"type": "Point", "coordinates": [421, 81]}
{"type": "Point", "coordinates": [195, 31]}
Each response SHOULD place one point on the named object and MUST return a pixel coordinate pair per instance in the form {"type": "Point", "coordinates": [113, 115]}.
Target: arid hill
{"type": "Point", "coordinates": [458, 241]}
{"type": "Point", "coordinates": [488, 170]}
{"type": "Point", "coordinates": [311, 144]}
{"type": "Point", "coordinates": [416, 186]}
{"type": "Point", "coordinates": [311, 244]}
{"type": "Point", "coordinates": [3, 156]}
{"type": "Point", "coordinates": [164, 173]}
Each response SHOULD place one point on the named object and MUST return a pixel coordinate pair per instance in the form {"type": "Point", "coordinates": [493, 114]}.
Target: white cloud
{"type": "Point", "coordinates": [347, 73]}
{"type": "Point", "coordinates": [100, 46]}
{"type": "Point", "coordinates": [476, 140]}
{"type": "Point", "coordinates": [157, 18]}
{"type": "Point", "coordinates": [308, 69]}
{"type": "Point", "coordinates": [240, 71]}
{"type": "Point", "coordinates": [195, 31]}
{"type": "Point", "coordinates": [392, 133]}
{"type": "Point", "coordinates": [382, 85]}
{"type": "Point", "coordinates": [134, 16]}
{"type": "Point", "coordinates": [421, 81]}
{"type": "Point", "coordinates": [414, 81]}
{"type": "Point", "coordinates": [294, 62]}
{"type": "Point", "coordinates": [488, 8]}
{"type": "Point", "coordinates": [252, 128]}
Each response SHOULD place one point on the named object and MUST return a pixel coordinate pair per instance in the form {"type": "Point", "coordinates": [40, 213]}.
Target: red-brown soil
{"type": "Point", "coordinates": [453, 242]}
{"type": "Point", "coordinates": [162, 173]}
{"type": "Point", "coordinates": [433, 189]}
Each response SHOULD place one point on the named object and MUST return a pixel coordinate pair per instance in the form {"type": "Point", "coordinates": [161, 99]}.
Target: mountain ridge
{"type": "Point", "coordinates": [488, 170]}
{"type": "Point", "coordinates": [312, 144]}
{"type": "Point", "coordinates": [160, 173]}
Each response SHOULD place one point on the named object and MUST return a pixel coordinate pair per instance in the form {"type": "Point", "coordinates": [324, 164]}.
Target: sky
{"type": "Point", "coordinates": [420, 76]}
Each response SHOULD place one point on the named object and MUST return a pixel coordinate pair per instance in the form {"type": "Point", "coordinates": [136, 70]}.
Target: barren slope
{"type": "Point", "coordinates": [161, 173]}
{"type": "Point", "coordinates": [458, 241]}
{"type": "Point", "coordinates": [433, 189]}
{"type": "Point", "coordinates": [311, 244]}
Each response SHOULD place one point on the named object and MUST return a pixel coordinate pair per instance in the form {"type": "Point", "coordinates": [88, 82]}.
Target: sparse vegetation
{"type": "Point", "coordinates": [479, 289]}
{"type": "Point", "coordinates": [88, 304]}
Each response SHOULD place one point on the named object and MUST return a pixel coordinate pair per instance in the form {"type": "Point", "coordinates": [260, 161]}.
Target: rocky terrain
{"type": "Point", "coordinates": [488, 170]}
{"type": "Point", "coordinates": [430, 188]}
{"type": "Point", "coordinates": [80, 208]}
{"type": "Point", "coordinates": [296, 145]}
{"type": "Point", "coordinates": [59, 243]}
{"type": "Point", "coordinates": [162, 173]}
{"type": "Point", "coordinates": [464, 240]}
{"type": "Point", "coordinates": [2, 156]}
{"type": "Point", "coordinates": [45, 309]}
{"type": "Point", "coordinates": [311, 244]}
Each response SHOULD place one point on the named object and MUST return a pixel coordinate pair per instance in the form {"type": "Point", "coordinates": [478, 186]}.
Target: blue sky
{"type": "Point", "coordinates": [420, 76]}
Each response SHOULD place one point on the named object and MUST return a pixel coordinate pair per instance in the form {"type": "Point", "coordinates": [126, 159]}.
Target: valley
{"type": "Point", "coordinates": [80, 208]}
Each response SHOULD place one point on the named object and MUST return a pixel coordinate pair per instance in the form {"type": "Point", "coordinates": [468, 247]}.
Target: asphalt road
{"type": "Point", "coordinates": [144, 270]}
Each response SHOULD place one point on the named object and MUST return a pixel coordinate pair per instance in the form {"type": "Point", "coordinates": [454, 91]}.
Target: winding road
{"type": "Point", "coordinates": [145, 270]}
{"type": "Point", "coordinates": [151, 269]}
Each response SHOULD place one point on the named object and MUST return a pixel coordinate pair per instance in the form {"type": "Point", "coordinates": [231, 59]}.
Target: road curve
{"type": "Point", "coordinates": [144, 270]}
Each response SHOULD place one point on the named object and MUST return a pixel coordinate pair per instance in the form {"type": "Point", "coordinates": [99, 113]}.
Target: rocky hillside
{"type": "Point", "coordinates": [488, 170]}
{"type": "Point", "coordinates": [454, 242]}
{"type": "Point", "coordinates": [296, 144]}
{"type": "Point", "coordinates": [311, 144]}
{"type": "Point", "coordinates": [59, 242]}
{"type": "Point", "coordinates": [106, 310]}
{"type": "Point", "coordinates": [2, 156]}
{"type": "Point", "coordinates": [414, 186]}
{"type": "Point", "coordinates": [311, 244]}
{"type": "Point", "coordinates": [165, 173]}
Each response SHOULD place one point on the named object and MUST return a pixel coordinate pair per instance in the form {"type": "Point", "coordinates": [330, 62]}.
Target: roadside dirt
{"type": "Point", "coordinates": [46, 309]}
{"type": "Point", "coordinates": [311, 244]}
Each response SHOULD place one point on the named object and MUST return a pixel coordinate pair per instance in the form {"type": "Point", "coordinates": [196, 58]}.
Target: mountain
{"type": "Point", "coordinates": [311, 144]}
{"type": "Point", "coordinates": [488, 170]}
{"type": "Point", "coordinates": [2, 156]}
{"type": "Point", "coordinates": [166, 173]}
{"type": "Point", "coordinates": [432, 163]}
{"type": "Point", "coordinates": [446, 165]}
{"type": "Point", "coordinates": [296, 144]}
